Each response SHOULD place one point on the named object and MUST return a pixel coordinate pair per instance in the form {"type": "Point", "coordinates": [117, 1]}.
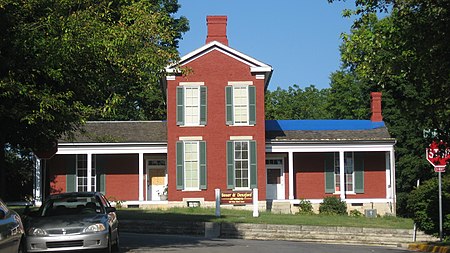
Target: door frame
{"type": "Point", "coordinates": [282, 175]}
{"type": "Point", "coordinates": [150, 167]}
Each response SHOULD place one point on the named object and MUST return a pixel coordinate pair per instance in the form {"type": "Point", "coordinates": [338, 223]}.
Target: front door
{"type": "Point", "coordinates": [156, 179]}
{"type": "Point", "coordinates": [275, 181]}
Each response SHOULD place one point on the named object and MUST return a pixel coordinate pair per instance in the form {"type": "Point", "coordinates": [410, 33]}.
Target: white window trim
{"type": "Point", "coordinates": [93, 176]}
{"type": "Point", "coordinates": [247, 123]}
{"type": "Point", "coordinates": [197, 121]}
{"type": "Point", "coordinates": [248, 166]}
{"type": "Point", "coordinates": [198, 166]}
{"type": "Point", "coordinates": [352, 192]}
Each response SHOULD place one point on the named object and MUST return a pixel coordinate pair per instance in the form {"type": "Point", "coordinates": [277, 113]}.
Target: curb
{"type": "Point", "coordinates": [429, 248]}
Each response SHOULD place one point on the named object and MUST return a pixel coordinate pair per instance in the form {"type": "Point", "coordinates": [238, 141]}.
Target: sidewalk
{"type": "Point", "coordinates": [429, 248]}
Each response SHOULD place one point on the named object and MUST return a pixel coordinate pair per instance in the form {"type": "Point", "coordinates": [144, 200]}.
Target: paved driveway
{"type": "Point", "coordinates": [174, 243]}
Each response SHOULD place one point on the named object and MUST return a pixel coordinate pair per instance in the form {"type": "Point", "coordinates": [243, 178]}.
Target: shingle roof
{"type": "Point", "coordinates": [326, 131]}
{"type": "Point", "coordinates": [120, 131]}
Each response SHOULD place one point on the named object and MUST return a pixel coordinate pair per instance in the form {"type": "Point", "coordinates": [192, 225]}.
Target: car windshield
{"type": "Point", "coordinates": [71, 205]}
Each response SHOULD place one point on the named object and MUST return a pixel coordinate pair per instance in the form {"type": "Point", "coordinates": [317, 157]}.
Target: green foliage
{"type": "Point", "coordinates": [65, 62]}
{"type": "Point", "coordinates": [333, 205]}
{"type": "Point", "coordinates": [423, 204]}
{"type": "Point", "coordinates": [406, 55]}
{"type": "Point", "coordinates": [355, 213]}
{"type": "Point", "coordinates": [305, 207]}
{"type": "Point", "coordinates": [19, 171]}
{"type": "Point", "coordinates": [296, 103]}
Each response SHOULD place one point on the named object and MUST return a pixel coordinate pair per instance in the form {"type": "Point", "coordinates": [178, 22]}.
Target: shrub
{"type": "Point", "coordinates": [305, 207]}
{"type": "Point", "coordinates": [355, 213]}
{"type": "Point", "coordinates": [423, 204]}
{"type": "Point", "coordinates": [333, 205]}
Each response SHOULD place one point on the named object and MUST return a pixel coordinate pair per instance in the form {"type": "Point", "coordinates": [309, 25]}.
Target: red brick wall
{"type": "Point", "coordinates": [56, 173]}
{"type": "Point", "coordinates": [310, 179]}
{"type": "Point", "coordinates": [215, 69]}
{"type": "Point", "coordinates": [122, 176]}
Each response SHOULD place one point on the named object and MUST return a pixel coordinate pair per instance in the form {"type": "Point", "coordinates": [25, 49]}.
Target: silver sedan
{"type": "Point", "coordinates": [11, 230]}
{"type": "Point", "coordinates": [73, 221]}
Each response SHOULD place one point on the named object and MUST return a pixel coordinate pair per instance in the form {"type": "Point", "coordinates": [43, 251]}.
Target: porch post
{"type": "Point", "coordinates": [291, 175]}
{"type": "Point", "coordinates": [37, 182]}
{"type": "Point", "coordinates": [393, 186]}
{"type": "Point", "coordinates": [342, 174]}
{"type": "Point", "coordinates": [89, 172]}
{"type": "Point", "coordinates": [388, 175]}
{"type": "Point", "coordinates": [141, 176]}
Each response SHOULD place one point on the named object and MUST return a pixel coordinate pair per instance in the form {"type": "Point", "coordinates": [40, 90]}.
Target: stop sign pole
{"type": "Point", "coordinates": [438, 154]}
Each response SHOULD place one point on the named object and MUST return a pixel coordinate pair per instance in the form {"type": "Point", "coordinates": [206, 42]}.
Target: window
{"type": "Point", "coordinates": [353, 172]}
{"type": "Point", "coordinates": [240, 104]}
{"type": "Point", "coordinates": [241, 165]}
{"type": "Point", "coordinates": [348, 172]}
{"type": "Point", "coordinates": [191, 105]}
{"type": "Point", "coordinates": [82, 177]}
{"type": "Point", "coordinates": [191, 165]}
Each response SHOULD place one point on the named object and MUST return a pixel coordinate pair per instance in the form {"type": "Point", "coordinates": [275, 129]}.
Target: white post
{"type": "Point", "coordinates": [342, 174]}
{"type": "Point", "coordinates": [255, 203]}
{"type": "Point", "coordinates": [217, 202]}
{"type": "Point", "coordinates": [38, 182]}
{"type": "Point", "coordinates": [89, 172]}
{"type": "Point", "coordinates": [141, 176]}
{"type": "Point", "coordinates": [291, 175]}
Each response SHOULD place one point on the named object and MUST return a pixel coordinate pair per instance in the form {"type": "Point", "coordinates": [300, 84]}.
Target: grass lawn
{"type": "Point", "coordinates": [239, 216]}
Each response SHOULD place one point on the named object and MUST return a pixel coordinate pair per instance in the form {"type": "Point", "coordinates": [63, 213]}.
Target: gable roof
{"type": "Point", "coordinates": [326, 131]}
{"type": "Point", "coordinates": [256, 67]}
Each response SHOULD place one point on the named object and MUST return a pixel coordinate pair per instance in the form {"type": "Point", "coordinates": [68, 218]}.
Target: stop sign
{"type": "Point", "coordinates": [438, 154]}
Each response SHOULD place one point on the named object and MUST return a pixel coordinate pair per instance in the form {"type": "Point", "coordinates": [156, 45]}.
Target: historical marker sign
{"type": "Point", "coordinates": [236, 197]}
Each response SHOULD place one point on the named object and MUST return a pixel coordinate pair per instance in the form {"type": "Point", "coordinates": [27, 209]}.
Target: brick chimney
{"type": "Point", "coordinates": [376, 107]}
{"type": "Point", "coordinates": [217, 29]}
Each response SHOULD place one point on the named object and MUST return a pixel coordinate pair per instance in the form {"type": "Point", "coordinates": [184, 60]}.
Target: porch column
{"type": "Point", "coordinates": [38, 182]}
{"type": "Point", "coordinates": [291, 174]}
{"type": "Point", "coordinates": [141, 176]}
{"type": "Point", "coordinates": [342, 174]}
{"type": "Point", "coordinates": [89, 172]}
{"type": "Point", "coordinates": [388, 175]}
{"type": "Point", "coordinates": [393, 186]}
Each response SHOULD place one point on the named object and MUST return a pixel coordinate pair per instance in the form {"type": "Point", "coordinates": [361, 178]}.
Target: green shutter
{"type": "Point", "coordinates": [203, 174]}
{"type": "Point", "coordinates": [180, 106]}
{"type": "Point", "coordinates": [253, 166]}
{"type": "Point", "coordinates": [252, 104]}
{"type": "Point", "coordinates": [71, 175]}
{"type": "Point", "coordinates": [229, 104]}
{"type": "Point", "coordinates": [203, 107]}
{"type": "Point", "coordinates": [359, 172]}
{"type": "Point", "coordinates": [180, 163]}
{"type": "Point", "coordinates": [329, 173]}
{"type": "Point", "coordinates": [230, 165]}
{"type": "Point", "coordinates": [100, 170]}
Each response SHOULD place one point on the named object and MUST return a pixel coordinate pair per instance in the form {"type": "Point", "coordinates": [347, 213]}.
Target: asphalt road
{"type": "Point", "coordinates": [186, 244]}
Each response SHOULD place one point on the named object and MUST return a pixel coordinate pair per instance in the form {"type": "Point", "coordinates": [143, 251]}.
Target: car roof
{"type": "Point", "coordinates": [74, 194]}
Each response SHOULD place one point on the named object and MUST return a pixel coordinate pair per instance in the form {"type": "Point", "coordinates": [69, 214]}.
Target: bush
{"type": "Point", "coordinates": [305, 207]}
{"type": "Point", "coordinates": [333, 205]}
{"type": "Point", "coordinates": [355, 213]}
{"type": "Point", "coordinates": [423, 204]}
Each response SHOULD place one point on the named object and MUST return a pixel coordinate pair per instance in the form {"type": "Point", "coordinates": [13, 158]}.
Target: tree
{"type": "Point", "coordinates": [423, 203]}
{"type": "Point", "coordinates": [406, 55]}
{"type": "Point", "coordinates": [295, 103]}
{"type": "Point", "coordinates": [65, 62]}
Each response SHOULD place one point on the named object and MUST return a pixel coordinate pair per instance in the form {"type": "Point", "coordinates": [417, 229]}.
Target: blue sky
{"type": "Point", "coordinates": [299, 38]}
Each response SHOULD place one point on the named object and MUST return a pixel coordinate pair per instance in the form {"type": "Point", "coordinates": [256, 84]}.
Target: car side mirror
{"type": "Point", "coordinates": [110, 209]}
{"type": "Point", "coordinates": [2, 214]}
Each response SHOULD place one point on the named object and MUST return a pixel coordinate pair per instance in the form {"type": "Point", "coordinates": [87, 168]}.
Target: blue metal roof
{"type": "Point", "coordinates": [315, 125]}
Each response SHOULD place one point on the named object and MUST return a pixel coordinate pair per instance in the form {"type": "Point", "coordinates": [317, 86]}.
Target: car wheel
{"type": "Point", "coordinates": [116, 245]}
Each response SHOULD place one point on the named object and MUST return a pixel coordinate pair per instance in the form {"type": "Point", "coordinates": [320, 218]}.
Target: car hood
{"type": "Point", "coordinates": [66, 221]}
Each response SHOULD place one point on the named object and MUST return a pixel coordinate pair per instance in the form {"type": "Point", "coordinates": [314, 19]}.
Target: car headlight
{"type": "Point", "coordinates": [37, 232]}
{"type": "Point", "coordinates": [95, 228]}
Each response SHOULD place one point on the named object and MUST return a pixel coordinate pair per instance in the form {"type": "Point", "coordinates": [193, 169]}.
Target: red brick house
{"type": "Point", "coordinates": [216, 137]}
